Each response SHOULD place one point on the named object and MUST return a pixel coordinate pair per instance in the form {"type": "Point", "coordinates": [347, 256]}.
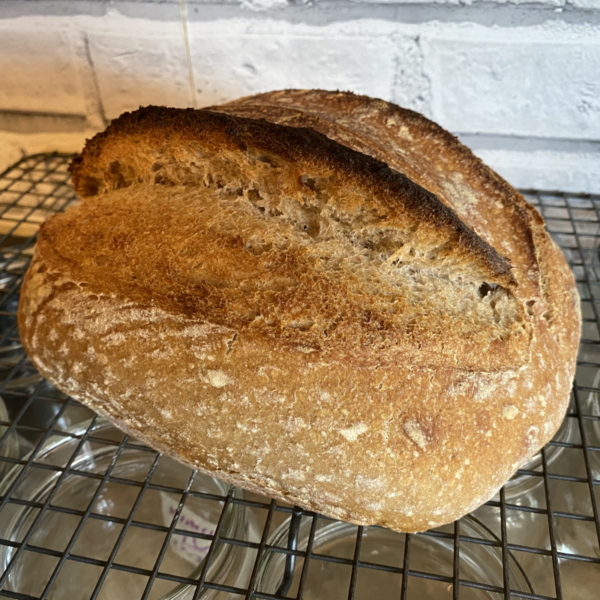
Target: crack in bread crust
{"type": "Point", "coordinates": [418, 147]}
{"type": "Point", "coordinates": [164, 131]}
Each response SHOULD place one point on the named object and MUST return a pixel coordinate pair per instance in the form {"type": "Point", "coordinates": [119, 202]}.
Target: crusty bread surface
{"type": "Point", "coordinates": [314, 295]}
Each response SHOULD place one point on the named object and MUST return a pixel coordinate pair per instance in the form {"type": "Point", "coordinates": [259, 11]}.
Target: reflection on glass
{"type": "Point", "coordinates": [140, 546]}
{"type": "Point", "coordinates": [327, 580]}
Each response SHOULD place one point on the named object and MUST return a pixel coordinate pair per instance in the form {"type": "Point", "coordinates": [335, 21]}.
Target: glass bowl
{"type": "Point", "coordinates": [9, 448]}
{"type": "Point", "coordinates": [110, 509]}
{"type": "Point", "coordinates": [330, 580]}
{"type": "Point", "coordinates": [521, 484]}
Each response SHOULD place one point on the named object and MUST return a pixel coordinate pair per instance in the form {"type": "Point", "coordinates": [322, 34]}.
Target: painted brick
{"type": "Point", "coordinates": [134, 70]}
{"type": "Point", "coordinates": [588, 4]}
{"type": "Point", "coordinates": [531, 2]}
{"type": "Point", "coordinates": [525, 89]}
{"type": "Point", "coordinates": [467, 2]}
{"type": "Point", "coordinates": [226, 67]}
{"type": "Point", "coordinates": [542, 170]}
{"type": "Point", "coordinates": [38, 69]}
{"type": "Point", "coordinates": [412, 87]}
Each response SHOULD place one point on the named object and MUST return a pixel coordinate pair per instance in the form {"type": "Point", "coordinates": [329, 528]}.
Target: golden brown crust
{"type": "Point", "coordinates": [158, 129]}
{"type": "Point", "coordinates": [420, 149]}
{"type": "Point", "coordinates": [143, 302]}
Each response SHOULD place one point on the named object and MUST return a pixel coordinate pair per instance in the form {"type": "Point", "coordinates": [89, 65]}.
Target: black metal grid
{"type": "Point", "coordinates": [37, 187]}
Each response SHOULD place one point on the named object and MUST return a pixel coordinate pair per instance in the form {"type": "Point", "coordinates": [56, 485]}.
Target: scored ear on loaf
{"type": "Point", "coordinates": [314, 295]}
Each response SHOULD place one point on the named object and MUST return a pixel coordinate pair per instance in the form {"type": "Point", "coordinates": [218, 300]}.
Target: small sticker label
{"type": "Point", "coordinates": [190, 548]}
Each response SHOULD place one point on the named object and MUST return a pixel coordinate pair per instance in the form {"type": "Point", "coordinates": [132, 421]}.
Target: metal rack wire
{"type": "Point", "coordinates": [568, 504]}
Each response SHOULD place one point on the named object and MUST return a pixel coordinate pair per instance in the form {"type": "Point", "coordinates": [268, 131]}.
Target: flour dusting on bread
{"type": "Point", "coordinates": [316, 296]}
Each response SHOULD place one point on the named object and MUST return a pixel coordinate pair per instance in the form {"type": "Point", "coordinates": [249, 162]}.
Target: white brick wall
{"type": "Point", "coordinates": [37, 69]}
{"type": "Point", "coordinates": [516, 87]}
{"type": "Point", "coordinates": [146, 68]}
{"type": "Point", "coordinates": [226, 67]}
{"type": "Point", "coordinates": [496, 75]}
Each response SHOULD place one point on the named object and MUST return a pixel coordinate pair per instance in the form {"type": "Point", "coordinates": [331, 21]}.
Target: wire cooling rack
{"type": "Point", "coordinates": [540, 535]}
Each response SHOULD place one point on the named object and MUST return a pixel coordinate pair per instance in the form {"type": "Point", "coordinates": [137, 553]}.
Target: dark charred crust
{"type": "Point", "coordinates": [346, 102]}
{"type": "Point", "coordinates": [300, 145]}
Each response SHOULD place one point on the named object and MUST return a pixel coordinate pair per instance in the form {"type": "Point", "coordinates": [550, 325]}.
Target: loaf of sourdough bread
{"type": "Point", "coordinates": [316, 296]}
